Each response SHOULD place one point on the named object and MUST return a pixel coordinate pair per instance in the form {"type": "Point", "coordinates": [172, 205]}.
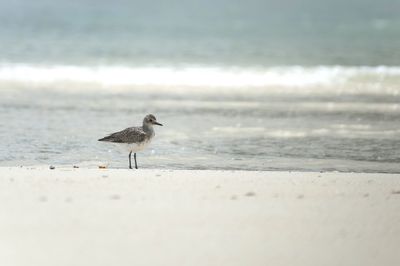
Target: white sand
{"type": "Point", "coordinates": [151, 217]}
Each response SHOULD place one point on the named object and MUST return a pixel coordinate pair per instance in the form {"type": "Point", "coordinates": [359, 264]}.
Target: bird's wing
{"type": "Point", "coordinates": [128, 135]}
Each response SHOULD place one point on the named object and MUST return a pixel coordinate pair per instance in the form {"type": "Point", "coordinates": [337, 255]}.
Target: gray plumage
{"type": "Point", "coordinates": [137, 138]}
{"type": "Point", "coordinates": [128, 135]}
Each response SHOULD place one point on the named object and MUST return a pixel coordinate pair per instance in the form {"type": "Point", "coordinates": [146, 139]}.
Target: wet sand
{"type": "Point", "coordinates": [107, 217]}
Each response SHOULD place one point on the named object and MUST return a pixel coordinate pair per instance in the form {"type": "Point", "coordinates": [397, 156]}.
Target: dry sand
{"type": "Point", "coordinates": [87, 217]}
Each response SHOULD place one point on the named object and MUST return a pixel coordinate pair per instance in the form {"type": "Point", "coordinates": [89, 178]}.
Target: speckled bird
{"type": "Point", "coordinates": [135, 138]}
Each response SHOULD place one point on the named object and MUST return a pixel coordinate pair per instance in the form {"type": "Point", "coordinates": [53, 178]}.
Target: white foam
{"type": "Point", "coordinates": [290, 76]}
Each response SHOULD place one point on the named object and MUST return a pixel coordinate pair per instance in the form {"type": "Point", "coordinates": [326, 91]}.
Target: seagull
{"type": "Point", "coordinates": [136, 138]}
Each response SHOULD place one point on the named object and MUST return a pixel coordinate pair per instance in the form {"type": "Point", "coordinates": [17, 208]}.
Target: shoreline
{"type": "Point", "coordinates": [104, 217]}
{"type": "Point", "coordinates": [106, 167]}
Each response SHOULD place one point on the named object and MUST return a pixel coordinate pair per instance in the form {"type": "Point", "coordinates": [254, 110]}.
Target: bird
{"type": "Point", "coordinates": [136, 138]}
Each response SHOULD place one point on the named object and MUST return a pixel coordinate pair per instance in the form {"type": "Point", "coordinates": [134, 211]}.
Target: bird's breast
{"type": "Point", "coordinates": [135, 147]}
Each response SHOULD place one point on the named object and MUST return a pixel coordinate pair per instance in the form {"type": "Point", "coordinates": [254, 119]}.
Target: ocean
{"type": "Point", "coordinates": [304, 85]}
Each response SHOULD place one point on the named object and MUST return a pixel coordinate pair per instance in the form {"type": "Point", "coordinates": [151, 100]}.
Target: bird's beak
{"type": "Point", "coordinates": [156, 123]}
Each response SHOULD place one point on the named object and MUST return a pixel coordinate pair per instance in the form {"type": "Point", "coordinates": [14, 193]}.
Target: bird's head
{"type": "Point", "coordinates": [150, 120]}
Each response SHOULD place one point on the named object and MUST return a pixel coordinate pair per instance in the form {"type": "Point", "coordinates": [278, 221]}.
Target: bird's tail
{"type": "Point", "coordinates": [104, 139]}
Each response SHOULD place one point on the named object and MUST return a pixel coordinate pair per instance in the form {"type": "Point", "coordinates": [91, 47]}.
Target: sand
{"type": "Point", "coordinates": [155, 217]}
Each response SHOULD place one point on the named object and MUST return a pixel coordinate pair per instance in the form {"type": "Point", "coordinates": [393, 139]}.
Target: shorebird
{"type": "Point", "coordinates": [135, 138]}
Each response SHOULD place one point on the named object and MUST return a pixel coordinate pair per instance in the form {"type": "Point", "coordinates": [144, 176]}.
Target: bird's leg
{"type": "Point", "coordinates": [134, 156]}
{"type": "Point", "coordinates": [130, 165]}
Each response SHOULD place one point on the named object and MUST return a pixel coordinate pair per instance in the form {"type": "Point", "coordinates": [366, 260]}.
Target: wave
{"type": "Point", "coordinates": [287, 76]}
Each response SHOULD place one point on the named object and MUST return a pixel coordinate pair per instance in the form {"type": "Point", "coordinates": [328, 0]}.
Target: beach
{"type": "Point", "coordinates": [80, 216]}
{"type": "Point", "coordinates": [280, 143]}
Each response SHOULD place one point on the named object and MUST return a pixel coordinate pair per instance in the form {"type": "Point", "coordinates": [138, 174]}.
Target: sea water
{"type": "Point", "coordinates": [252, 85]}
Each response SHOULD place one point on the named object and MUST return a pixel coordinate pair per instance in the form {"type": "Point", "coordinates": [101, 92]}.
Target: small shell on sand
{"type": "Point", "coordinates": [250, 194]}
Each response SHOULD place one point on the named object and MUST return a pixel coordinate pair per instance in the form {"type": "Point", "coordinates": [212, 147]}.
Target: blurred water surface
{"type": "Point", "coordinates": [254, 85]}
